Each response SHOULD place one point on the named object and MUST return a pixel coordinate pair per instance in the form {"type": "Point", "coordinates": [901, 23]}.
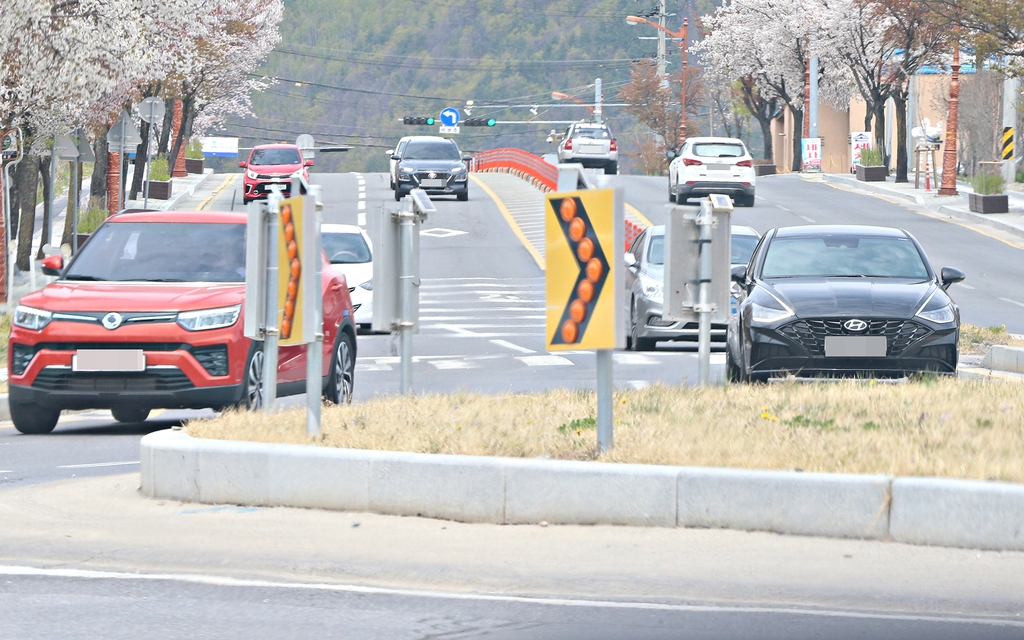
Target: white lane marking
{"type": "Point", "coordinates": [633, 358]}
{"type": "Point", "coordinates": [362, 189]}
{"type": "Point", "coordinates": [965, 286]}
{"type": "Point", "coordinates": [6, 471]}
{"type": "Point", "coordinates": [221, 581]}
{"type": "Point", "coordinates": [361, 217]}
{"type": "Point", "coordinates": [97, 464]}
{"type": "Point", "coordinates": [805, 218]}
{"type": "Point", "coordinates": [512, 346]}
{"type": "Point", "coordinates": [1019, 304]}
{"type": "Point", "coordinates": [539, 279]}
{"type": "Point", "coordinates": [454, 364]}
{"type": "Point", "coordinates": [545, 361]}
{"type": "Point", "coordinates": [361, 205]}
{"type": "Point", "coordinates": [439, 232]}
{"type": "Point", "coordinates": [363, 366]}
{"type": "Point", "coordinates": [783, 208]}
{"type": "Point", "coordinates": [458, 326]}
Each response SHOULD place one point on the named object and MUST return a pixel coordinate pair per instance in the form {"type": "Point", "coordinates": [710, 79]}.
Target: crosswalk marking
{"type": "Point", "coordinates": [633, 359]}
{"type": "Point", "coordinates": [545, 361]}
{"type": "Point", "coordinates": [454, 364]}
{"type": "Point", "coordinates": [512, 346]}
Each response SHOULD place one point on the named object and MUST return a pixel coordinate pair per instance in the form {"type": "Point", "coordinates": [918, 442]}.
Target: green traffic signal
{"type": "Point", "coordinates": [491, 122]}
{"type": "Point", "coordinates": [430, 121]}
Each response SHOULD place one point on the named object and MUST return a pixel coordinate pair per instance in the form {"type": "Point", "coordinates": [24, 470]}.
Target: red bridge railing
{"type": "Point", "coordinates": [542, 174]}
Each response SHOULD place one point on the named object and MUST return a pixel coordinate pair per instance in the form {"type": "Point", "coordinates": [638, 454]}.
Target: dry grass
{"type": "Point", "coordinates": [975, 340]}
{"type": "Point", "coordinates": [944, 427]}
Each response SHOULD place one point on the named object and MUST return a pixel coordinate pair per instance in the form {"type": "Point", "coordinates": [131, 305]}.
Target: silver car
{"type": "Point", "coordinates": [591, 145]}
{"type": "Point", "coordinates": [645, 262]}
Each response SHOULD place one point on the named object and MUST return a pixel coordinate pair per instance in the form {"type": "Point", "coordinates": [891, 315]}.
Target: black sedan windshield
{"type": "Point", "coordinates": [162, 252]}
{"type": "Point", "coordinates": [431, 151]}
{"type": "Point", "coordinates": [274, 156]}
{"type": "Point", "coordinates": [843, 256]}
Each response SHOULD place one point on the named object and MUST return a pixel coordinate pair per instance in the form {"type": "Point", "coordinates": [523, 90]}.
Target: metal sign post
{"type": "Point", "coordinates": [150, 110]}
{"type": "Point", "coordinates": [396, 265]}
{"type": "Point", "coordinates": [85, 154]}
{"type": "Point", "coordinates": [12, 153]}
{"type": "Point", "coordinates": [697, 271]}
{"type": "Point", "coordinates": [313, 331]}
{"type": "Point", "coordinates": [271, 330]}
{"type": "Point", "coordinates": [584, 235]}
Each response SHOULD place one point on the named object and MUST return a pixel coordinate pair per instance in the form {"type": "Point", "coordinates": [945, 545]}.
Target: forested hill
{"type": "Point", "coordinates": [348, 70]}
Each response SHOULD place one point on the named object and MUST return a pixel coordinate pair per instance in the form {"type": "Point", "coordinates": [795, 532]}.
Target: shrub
{"type": "Point", "coordinates": [870, 158]}
{"type": "Point", "coordinates": [988, 183]}
{"type": "Point", "coordinates": [158, 169]}
{"type": "Point", "coordinates": [194, 150]}
{"type": "Point", "coordinates": [91, 218]}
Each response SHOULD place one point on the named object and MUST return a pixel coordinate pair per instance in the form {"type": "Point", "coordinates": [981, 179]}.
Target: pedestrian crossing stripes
{"type": "Point", "coordinates": [505, 361]}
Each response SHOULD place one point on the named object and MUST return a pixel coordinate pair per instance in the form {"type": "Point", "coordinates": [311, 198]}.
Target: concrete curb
{"type": "Point", "coordinates": [932, 511]}
{"type": "Point", "coordinates": [5, 408]}
{"type": "Point", "coordinates": [968, 216]}
{"type": "Point", "coordinates": [1002, 358]}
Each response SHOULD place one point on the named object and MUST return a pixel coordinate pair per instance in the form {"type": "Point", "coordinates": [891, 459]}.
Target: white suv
{"type": "Point", "coordinates": [591, 145]}
{"type": "Point", "coordinates": [712, 165]}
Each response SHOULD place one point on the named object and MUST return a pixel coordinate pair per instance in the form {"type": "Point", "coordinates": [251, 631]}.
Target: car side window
{"type": "Point", "coordinates": [637, 247]}
{"type": "Point", "coordinates": [755, 256]}
{"type": "Point", "coordinates": [401, 147]}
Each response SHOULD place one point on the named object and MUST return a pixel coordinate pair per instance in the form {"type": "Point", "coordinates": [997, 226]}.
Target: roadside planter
{"type": "Point", "coordinates": [193, 165]}
{"type": "Point", "coordinates": [160, 189]}
{"type": "Point", "coordinates": [872, 174]}
{"type": "Point", "coordinates": [988, 196]}
{"type": "Point", "coordinates": [764, 170]}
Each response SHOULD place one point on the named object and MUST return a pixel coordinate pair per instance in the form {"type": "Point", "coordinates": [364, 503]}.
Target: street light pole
{"type": "Point", "coordinates": [948, 187]}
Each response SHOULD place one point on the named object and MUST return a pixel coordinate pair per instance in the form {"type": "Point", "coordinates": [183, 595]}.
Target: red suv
{"type": "Point", "coordinates": [149, 315]}
{"type": "Point", "coordinates": [271, 164]}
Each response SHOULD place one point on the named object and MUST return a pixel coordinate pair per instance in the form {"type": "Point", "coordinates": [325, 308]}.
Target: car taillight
{"type": "Point", "coordinates": [568, 144]}
{"type": "Point", "coordinates": [690, 162]}
{"type": "Point", "coordinates": [613, 146]}
{"type": "Point", "coordinates": [745, 163]}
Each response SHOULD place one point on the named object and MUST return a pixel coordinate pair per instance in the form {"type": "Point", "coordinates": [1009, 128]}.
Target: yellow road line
{"type": "Point", "coordinates": [539, 259]}
{"type": "Point", "coordinates": [639, 216]}
{"type": "Point", "coordinates": [216, 192]}
{"type": "Point", "coordinates": [914, 208]}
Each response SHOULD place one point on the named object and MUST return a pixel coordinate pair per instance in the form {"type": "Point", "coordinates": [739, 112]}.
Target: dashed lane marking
{"type": "Point", "coordinates": [513, 346]}
{"type": "Point", "coordinates": [1019, 304]}
{"type": "Point", "coordinates": [362, 205]}
{"type": "Point", "coordinates": [361, 219]}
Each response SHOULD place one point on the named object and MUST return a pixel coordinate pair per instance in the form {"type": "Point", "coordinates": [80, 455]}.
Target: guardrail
{"type": "Point", "coordinates": [527, 166]}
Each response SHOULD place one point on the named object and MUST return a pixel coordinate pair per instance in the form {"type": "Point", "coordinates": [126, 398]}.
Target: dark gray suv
{"type": "Point", "coordinates": [432, 164]}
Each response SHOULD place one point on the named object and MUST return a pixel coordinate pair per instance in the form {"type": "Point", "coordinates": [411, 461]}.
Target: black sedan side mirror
{"type": "Point", "coordinates": [739, 273]}
{"type": "Point", "coordinates": [396, 157]}
{"type": "Point", "coordinates": [949, 276]}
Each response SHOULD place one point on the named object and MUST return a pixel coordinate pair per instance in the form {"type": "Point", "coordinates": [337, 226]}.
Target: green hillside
{"type": "Point", "coordinates": [350, 69]}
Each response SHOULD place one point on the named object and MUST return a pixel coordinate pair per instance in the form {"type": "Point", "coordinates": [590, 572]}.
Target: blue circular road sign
{"type": "Point", "coordinates": [450, 117]}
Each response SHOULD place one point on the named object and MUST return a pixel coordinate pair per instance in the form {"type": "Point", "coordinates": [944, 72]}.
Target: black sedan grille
{"type": "Point", "coordinates": [810, 334]}
{"type": "Point", "coordinates": [51, 379]}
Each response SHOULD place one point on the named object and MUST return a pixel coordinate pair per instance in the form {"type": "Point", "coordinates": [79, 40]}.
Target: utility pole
{"type": "Point", "coordinates": [598, 101]}
{"type": "Point", "coordinates": [682, 91]}
{"type": "Point", "coordinates": [949, 152]}
{"type": "Point", "coordinates": [1011, 94]}
{"type": "Point", "coordinates": [661, 45]}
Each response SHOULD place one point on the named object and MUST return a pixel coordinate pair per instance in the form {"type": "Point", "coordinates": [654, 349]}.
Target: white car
{"type": "Point", "coordinates": [591, 145]}
{"type": "Point", "coordinates": [712, 165]}
{"type": "Point", "coordinates": [351, 254]}
{"type": "Point", "coordinates": [397, 151]}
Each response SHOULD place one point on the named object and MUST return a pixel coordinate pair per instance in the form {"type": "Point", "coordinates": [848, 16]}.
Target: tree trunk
{"type": "Point", "coordinates": [74, 196]}
{"type": "Point", "coordinates": [179, 139]}
{"type": "Point", "coordinates": [165, 128]}
{"type": "Point", "coordinates": [899, 100]}
{"type": "Point", "coordinates": [98, 182]}
{"type": "Point", "coordinates": [15, 195]}
{"type": "Point", "coordinates": [798, 133]}
{"type": "Point", "coordinates": [140, 162]}
{"type": "Point", "coordinates": [766, 133]}
{"type": "Point", "coordinates": [48, 195]}
{"type": "Point", "coordinates": [28, 184]}
{"type": "Point", "coordinates": [880, 133]}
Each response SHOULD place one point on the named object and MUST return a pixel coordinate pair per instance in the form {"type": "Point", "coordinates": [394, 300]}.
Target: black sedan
{"type": "Point", "coordinates": [842, 301]}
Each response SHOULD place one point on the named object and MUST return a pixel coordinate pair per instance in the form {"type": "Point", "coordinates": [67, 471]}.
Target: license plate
{"type": "Point", "coordinates": [427, 182]}
{"type": "Point", "coordinates": [108, 360]}
{"type": "Point", "coordinates": [719, 167]}
{"type": "Point", "coordinates": [855, 346]}
{"type": "Point", "coordinates": [592, 150]}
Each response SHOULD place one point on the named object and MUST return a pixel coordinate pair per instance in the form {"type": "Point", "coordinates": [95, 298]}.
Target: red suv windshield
{"type": "Point", "coordinates": [162, 252]}
{"type": "Point", "coordinates": [274, 156]}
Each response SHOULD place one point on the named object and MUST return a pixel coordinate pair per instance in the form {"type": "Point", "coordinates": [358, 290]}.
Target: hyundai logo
{"type": "Point", "coordinates": [112, 321]}
{"type": "Point", "coordinates": [855, 325]}
{"type": "Point", "coordinates": [432, 175]}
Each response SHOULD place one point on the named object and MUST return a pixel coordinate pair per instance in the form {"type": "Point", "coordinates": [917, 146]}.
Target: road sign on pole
{"type": "Point", "coordinates": [151, 109]}
{"type": "Point", "coordinates": [450, 117]}
{"type": "Point", "coordinates": [585, 298]}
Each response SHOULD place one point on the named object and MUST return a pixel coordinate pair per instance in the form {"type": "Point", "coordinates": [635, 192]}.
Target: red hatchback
{"type": "Point", "coordinates": [271, 164]}
{"type": "Point", "coordinates": [149, 315]}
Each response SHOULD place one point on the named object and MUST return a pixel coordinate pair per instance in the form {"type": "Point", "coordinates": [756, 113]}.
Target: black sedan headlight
{"type": "Point", "coordinates": [760, 314]}
{"type": "Point", "coordinates": [941, 315]}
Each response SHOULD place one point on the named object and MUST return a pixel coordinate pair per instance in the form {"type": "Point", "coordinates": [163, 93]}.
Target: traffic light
{"type": "Point", "coordinates": [418, 120]}
{"type": "Point", "coordinates": [479, 122]}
